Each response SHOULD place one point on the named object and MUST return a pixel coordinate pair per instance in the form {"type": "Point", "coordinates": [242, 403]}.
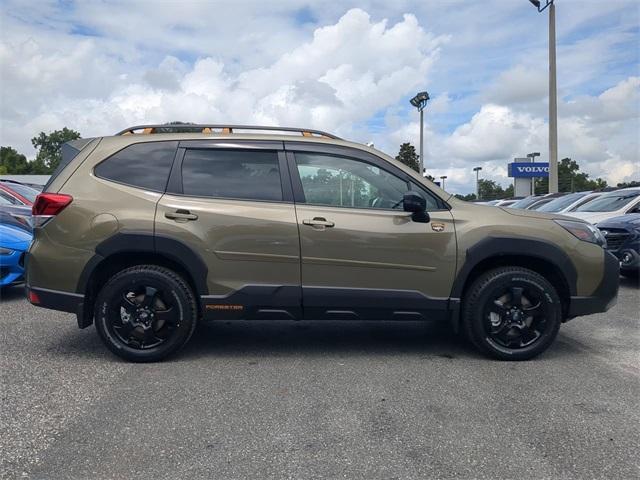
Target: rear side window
{"type": "Point", "coordinates": [240, 174]}
{"type": "Point", "coordinates": [144, 165]}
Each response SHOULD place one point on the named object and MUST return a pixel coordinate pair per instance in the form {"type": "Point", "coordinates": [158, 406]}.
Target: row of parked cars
{"type": "Point", "coordinates": [616, 213]}
{"type": "Point", "coordinates": [16, 201]}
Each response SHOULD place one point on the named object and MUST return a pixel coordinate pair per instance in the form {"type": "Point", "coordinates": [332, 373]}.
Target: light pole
{"type": "Point", "coordinates": [443, 178]}
{"type": "Point", "coordinates": [553, 95]}
{"type": "Point", "coordinates": [533, 156]}
{"type": "Point", "coordinates": [477, 170]}
{"type": "Point", "coordinates": [420, 101]}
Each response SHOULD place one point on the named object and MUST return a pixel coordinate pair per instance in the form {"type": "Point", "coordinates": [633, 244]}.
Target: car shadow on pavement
{"type": "Point", "coordinates": [14, 292]}
{"type": "Point", "coordinates": [282, 338]}
{"type": "Point", "coordinates": [630, 282]}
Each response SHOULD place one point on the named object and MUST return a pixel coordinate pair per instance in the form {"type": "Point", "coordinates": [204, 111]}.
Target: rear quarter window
{"type": "Point", "coordinates": [143, 165]}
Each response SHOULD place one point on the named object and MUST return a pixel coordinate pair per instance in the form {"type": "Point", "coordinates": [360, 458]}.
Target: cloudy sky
{"type": "Point", "coordinates": [346, 67]}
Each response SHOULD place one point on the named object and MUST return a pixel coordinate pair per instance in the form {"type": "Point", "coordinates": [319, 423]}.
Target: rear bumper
{"type": "Point", "coordinates": [605, 296]}
{"type": "Point", "coordinates": [54, 299]}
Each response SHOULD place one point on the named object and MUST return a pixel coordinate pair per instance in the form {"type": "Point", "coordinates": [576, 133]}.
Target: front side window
{"type": "Point", "coordinates": [236, 174]}
{"type": "Point", "coordinates": [346, 182]}
{"type": "Point", "coordinates": [144, 165]}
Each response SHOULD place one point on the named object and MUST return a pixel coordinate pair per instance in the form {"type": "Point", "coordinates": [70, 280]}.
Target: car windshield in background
{"type": "Point", "coordinates": [525, 202]}
{"type": "Point", "coordinates": [27, 192]}
{"type": "Point", "coordinates": [609, 202]}
{"type": "Point", "coordinates": [559, 204]}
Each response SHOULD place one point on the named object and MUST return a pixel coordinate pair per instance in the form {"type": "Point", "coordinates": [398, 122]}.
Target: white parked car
{"type": "Point", "coordinates": [569, 202]}
{"type": "Point", "coordinates": [609, 205]}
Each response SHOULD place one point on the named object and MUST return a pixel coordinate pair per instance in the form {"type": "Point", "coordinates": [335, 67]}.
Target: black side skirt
{"type": "Point", "coordinates": [257, 302]}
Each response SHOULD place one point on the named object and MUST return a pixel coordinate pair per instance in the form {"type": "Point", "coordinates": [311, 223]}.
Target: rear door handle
{"type": "Point", "coordinates": [319, 222]}
{"type": "Point", "coordinates": [181, 215]}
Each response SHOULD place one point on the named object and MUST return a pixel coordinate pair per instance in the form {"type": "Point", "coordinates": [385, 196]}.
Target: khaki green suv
{"type": "Point", "coordinates": [147, 232]}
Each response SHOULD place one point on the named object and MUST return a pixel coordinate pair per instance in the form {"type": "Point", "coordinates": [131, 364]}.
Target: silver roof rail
{"type": "Point", "coordinates": [225, 129]}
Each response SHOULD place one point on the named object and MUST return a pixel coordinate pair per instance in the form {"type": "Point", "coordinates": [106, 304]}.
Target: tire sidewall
{"type": "Point", "coordinates": [181, 298]}
{"type": "Point", "coordinates": [521, 278]}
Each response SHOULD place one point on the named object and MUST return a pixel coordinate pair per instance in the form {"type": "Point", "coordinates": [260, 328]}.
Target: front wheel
{"type": "Point", "coordinates": [512, 313]}
{"type": "Point", "coordinates": [145, 313]}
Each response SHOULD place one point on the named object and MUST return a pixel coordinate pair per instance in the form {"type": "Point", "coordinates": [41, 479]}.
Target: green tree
{"type": "Point", "coordinates": [570, 179]}
{"type": "Point", "coordinates": [48, 145]}
{"type": "Point", "coordinates": [633, 183]}
{"type": "Point", "coordinates": [13, 162]}
{"type": "Point", "coordinates": [408, 156]}
{"type": "Point", "coordinates": [168, 128]}
{"type": "Point", "coordinates": [491, 190]}
{"type": "Point", "coordinates": [470, 197]}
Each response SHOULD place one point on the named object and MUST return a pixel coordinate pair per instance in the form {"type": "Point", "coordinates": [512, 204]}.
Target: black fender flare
{"type": "Point", "coordinates": [495, 247]}
{"type": "Point", "coordinates": [136, 242]}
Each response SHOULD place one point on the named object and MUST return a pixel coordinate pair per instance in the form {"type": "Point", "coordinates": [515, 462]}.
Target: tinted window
{"type": "Point", "coordinates": [68, 152]}
{"type": "Point", "coordinates": [27, 192]}
{"type": "Point", "coordinates": [144, 165]}
{"type": "Point", "coordinates": [347, 182]}
{"type": "Point", "coordinates": [241, 174]}
{"type": "Point", "coordinates": [9, 199]}
{"type": "Point", "coordinates": [561, 203]}
{"type": "Point", "coordinates": [609, 202]}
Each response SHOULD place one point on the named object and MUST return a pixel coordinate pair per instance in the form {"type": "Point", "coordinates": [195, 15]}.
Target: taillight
{"type": "Point", "coordinates": [47, 206]}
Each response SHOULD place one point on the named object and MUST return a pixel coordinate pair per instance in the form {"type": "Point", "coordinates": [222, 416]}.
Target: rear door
{"type": "Point", "coordinates": [362, 255]}
{"type": "Point", "coordinates": [231, 202]}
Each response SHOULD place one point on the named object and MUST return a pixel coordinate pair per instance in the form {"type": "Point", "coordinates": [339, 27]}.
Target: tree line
{"type": "Point", "coordinates": [48, 154]}
{"type": "Point", "coordinates": [570, 178]}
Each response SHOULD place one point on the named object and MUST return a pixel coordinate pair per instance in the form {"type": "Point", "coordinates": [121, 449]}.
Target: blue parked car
{"type": "Point", "coordinates": [623, 240]}
{"type": "Point", "coordinates": [14, 242]}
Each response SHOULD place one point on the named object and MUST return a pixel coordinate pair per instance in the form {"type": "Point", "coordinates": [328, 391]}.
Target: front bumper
{"type": "Point", "coordinates": [605, 296]}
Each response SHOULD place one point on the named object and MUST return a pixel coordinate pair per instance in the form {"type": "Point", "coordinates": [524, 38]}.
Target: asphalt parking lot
{"type": "Point", "coordinates": [318, 400]}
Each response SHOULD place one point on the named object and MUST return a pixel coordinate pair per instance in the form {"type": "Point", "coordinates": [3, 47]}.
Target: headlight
{"type": "Point", "coordinates": [583, 231]}
{"type": "Point", "coordinates": [5, 251]}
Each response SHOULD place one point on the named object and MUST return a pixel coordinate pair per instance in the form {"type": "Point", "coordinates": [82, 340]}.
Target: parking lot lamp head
{"type": "Point", "coordinates": [420, 101]}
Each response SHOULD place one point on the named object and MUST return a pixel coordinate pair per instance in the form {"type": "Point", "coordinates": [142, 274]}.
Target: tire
{"type": "Point", "coordinates": [633, 273]}
{"type": "Point", "coordinates": [145, 313]}
{"type": "Point", "coordinates": [511, 313]}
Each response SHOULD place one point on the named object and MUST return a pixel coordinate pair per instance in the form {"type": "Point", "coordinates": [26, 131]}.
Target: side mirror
{"type": "Point", "coordinates": [417, 205]}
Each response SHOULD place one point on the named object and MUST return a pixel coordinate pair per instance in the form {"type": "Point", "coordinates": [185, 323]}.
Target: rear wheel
{"type": "Point", "coordinates": [512, 313]}
{"type": "Point", "coordinates": [145, 313]}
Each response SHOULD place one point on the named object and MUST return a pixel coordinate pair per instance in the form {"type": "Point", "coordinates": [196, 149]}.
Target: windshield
{"type": "Point", "coordinates": [27, 192]}
{"type": "Point", "coordinates": [559, 204]}
{"type": "Point", "coordinates": [609, 203]}
{"type": "Point", "coordinates": [525, 202]}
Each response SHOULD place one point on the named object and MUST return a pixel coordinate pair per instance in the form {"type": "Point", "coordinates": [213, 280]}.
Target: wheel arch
{"type": "Point", "coordinates": [542, 257]}
{"type": "Point", "coordinates": [125, 250]}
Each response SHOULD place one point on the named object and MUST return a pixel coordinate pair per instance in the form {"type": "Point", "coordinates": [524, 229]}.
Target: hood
{"type": "Point", "coordinates": [591, 217]}
{"type": "Point", "coordinates": [534, 214]}
{"type": "Point", "coordinates": [628, 220]}
{"type": "Point", "coordinates": [14, 238]}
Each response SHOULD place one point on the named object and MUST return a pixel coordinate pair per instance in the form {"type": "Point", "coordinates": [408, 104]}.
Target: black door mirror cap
{"type": "Point", "coordinates": [416, 204]}
{"type": "Point", "coordinates": [413, 202]}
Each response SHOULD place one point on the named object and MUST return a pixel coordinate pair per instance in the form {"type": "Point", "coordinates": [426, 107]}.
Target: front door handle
{"type": "Point", "coordinates": [181, 215]}
{"type": "Point", "coordinates": [319, 222]}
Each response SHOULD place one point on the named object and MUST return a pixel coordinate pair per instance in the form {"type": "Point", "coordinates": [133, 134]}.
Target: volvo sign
{"type": "Point", "coordinates": [528, 170]}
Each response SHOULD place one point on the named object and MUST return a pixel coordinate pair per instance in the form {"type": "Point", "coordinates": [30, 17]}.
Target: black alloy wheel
{"type": "Point", "coordinates": [145, 313]}
{"type": "Point", "coordinates": [144, 318]}
{"type": "Point", "coordinates": [511, 313]}
{"type": "Point", "coordinates": [517, 317]}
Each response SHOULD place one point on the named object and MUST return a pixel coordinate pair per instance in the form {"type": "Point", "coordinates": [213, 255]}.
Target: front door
{"type": "Point", "coordinates": [362, 255]}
